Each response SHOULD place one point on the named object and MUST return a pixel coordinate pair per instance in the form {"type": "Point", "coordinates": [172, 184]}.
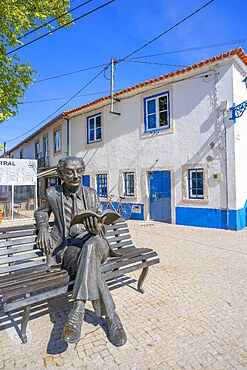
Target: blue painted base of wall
{"type": "Point", "coordinates": [212, 218]}
{"type": "Point", "coordinates": [135, 215]}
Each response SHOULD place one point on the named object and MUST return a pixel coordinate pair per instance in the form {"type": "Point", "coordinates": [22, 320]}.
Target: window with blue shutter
{"type": "Point", "coordinates": [102, 185]}
{"type": "Point", "coordinates": [196, 183]}
{"type": "Point", "coordinates": [157, 112]}
{"type": "Point", "coordinates": [94, 129]}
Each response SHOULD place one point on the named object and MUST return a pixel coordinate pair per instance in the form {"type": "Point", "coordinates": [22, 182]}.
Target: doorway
{"type": "Point", "coordinates": [160, 195]}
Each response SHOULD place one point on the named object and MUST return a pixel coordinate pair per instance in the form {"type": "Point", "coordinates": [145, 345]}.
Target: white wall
{"type": "Point", "coordinates": [196, 123]}
{"type": "Point", "coordinates": [240, 134]}
{"type": "Point", "coordinates": [29, 147]}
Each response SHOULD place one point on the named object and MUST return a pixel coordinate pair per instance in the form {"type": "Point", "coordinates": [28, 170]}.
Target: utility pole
{"type": "Point", "coordinates": [4, 149]}
{"type": "Point", "coordinates": [113, 62]}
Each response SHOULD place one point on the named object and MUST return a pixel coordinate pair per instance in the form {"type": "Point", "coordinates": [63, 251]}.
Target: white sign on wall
{"type": "Point", "coordinates": [18, 171]}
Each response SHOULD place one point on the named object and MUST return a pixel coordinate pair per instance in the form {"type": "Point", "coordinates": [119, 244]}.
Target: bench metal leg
{"type": "Point", "coordinates": [24, 322]}
{"type": "Point", "coordinates": [141, 279]}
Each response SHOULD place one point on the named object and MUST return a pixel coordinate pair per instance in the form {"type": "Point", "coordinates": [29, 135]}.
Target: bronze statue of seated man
{"type": "Point", "coordinates": [80, 249]}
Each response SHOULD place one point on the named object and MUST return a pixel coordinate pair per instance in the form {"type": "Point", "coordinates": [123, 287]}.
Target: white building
{"type": "Point", "coordinates": [173, 151]}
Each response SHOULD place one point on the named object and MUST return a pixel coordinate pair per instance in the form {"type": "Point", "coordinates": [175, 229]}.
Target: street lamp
{"type": "Point", "coordinates": [238, 110]}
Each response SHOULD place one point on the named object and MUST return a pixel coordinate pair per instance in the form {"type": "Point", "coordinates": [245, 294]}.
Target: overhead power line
{"type": "Point", "coordinates": [239, 41]}
{"type": "Point", "coordinates": [65, 97]}
{"type": "Point", "coordinates": [168, 30]}
{"type": "Point", "coordinates": [54, 19]}
{"type": "Point", "coordinates": [201, 47]}
{"type": "Point", "coordinates": [58, 109]}
{"type": "Point", "coordinates": [70, 73]}
{"type": "Point", "coordinates": [156, 63]}
{"type": "Point", "coordinates": [121, 60]}
{"type": "Point", "coordinates": [58, 28]}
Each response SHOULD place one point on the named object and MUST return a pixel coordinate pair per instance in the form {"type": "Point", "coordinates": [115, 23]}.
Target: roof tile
{"type": "Point", "coordinates": [238, 52]}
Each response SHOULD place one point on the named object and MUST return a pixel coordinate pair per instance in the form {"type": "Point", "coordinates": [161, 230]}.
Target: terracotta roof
{"type": "Point", "coordinates": [239, 52]}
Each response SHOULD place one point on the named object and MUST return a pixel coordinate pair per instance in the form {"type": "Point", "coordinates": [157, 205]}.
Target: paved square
{"type": "Point", "coordinates": [193, 314]}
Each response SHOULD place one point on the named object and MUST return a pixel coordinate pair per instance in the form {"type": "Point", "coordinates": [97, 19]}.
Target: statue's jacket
{"type": "Point", "coordinates": [53, 203]}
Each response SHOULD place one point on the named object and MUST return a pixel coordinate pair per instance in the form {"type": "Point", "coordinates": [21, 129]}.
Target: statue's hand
{"type": "Point", "coordinates": [76, 230]}
{"type": "Point", "coordinates": [44, 240]}
{"type": "Point", "coordinates": [92, 225]}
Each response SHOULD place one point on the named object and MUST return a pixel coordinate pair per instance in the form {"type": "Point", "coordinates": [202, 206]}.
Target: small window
{"type": "Point", "coordinates": [36, 149]}
{"type": "Point", "coordinates": [57, 141]}
{"type": "Point", "coordinates": [94, 132]}
{"type": "Point", "coordinates": [21, 154]}
{"type": "Point", "coordinates": [196, 183]}
{"type": "Point", "coordinates": [129, 184]}
{"type": "Point", "coordinates": [102, 185]}
{"type": "Point", "coordinates": [45, 147]}
{"type": "Point", "coordinates": [156, 112]}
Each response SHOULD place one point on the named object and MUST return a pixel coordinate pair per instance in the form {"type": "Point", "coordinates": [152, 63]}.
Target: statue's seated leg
{"type": "Point", "coordinates": [116, 333]}
{"type": "Point", "coordinates": [85, 262]}
{"type": "Point", "coordinates": [72, 329]}
{"type": "Point", "coordinates": [82, 260]}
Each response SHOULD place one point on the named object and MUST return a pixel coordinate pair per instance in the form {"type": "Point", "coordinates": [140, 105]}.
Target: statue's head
{"type": "Point", "coordinates": [70, 170]}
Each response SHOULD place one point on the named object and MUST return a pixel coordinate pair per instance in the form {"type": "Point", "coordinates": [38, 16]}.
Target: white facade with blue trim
{"type": "Point", "coordinates": [173, 151]}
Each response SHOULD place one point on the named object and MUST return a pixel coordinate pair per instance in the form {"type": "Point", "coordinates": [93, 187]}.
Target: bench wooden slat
{"type": "Point", "coordinates": [20, 277]}
{"type": "Point", "coordinates": [22, 257]}
{"type": "Point", "coordinates": [127, 261]}
{"type": "Point", "coordinates": [120, 225]}
{"type": "Point", "coordinates": [118, 273]}
{"type": "Point", "coordinates": [118, 238]}
{"type": "Point", "coordinates": [17, 228]}
{"type": "Point", "coordinates": [17, 249]}
{"type": "Point", "coordinates": [11, 242]}
{"type": "Point", "coordinates": [22, 266]}
{"type": "Point", "coordinates": [117, 232]}
{"type": "Point", "coordinates": [16, 234]}
{"type": "Point", "coordinates": [36, 298]}
{"type": "Point", "coordinates": [122, 244]}
{"type": "Point", "coordinates": [19, 280]}
{"type": "Point", "coordinates": [35, 286]}
{"type": "Point", "coordinates": [129, 252]}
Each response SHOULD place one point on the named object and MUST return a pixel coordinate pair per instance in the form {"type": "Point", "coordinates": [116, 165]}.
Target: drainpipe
{"type": "Point", "coordinates": [226, 172]}
{"type": "Point", "coordinates": [68, 151]}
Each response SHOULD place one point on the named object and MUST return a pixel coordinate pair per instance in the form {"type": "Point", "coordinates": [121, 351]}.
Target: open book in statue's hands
{"type": "Point", "coordinates": [107, 217]}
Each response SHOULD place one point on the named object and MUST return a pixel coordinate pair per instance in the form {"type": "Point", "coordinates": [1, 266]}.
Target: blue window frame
{"type": "Point", "coordinates": [102, 185]}
{"type": "Point", "coordinates": [157, 112]}
{"type": "Point", "coordinates": [129, 184]}
{"type": "Point", "coordinates": [57, 141]}
{"type": "Point", "coordinates": [196, 183]}
{"type": "Point", "coordinates": [94, 130]}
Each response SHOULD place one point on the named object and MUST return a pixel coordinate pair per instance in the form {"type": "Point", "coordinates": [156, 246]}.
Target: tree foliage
{"type": "Point", "coordinates": [17, 18]}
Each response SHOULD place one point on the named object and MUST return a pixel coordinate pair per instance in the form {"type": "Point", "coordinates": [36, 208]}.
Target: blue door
{"type": "Point", "coordinates": [160, 195]}
{"type": "Point", "coordinates": [86, 180]}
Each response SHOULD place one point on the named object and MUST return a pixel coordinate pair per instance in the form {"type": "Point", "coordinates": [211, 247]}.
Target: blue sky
{"type": "Point", "coordinates": [114, 32]}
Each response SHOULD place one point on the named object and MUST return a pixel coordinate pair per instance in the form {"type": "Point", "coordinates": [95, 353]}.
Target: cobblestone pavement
{"type": "Point", "coordinates": [193, 314]}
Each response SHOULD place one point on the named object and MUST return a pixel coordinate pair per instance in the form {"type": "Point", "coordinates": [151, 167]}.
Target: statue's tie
{"type": "Point", "coordinates": [74, 206]}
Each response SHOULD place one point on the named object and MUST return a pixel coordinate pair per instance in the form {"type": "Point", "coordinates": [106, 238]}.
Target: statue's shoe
{"type": "Point", "coordinates": [116, 333]}
{"type": "Point", "coordinates": [72, 330]}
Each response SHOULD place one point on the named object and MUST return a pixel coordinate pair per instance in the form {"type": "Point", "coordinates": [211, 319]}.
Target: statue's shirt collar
{"type": "Point", "coordinates": [68, 193]}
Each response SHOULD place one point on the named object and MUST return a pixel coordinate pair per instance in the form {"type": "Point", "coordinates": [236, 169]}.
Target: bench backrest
{"type": "Point", "coordinates": [18, 251]}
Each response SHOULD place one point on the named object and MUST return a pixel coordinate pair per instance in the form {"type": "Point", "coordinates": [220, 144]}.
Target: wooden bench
{"type": "Point", "coordinates": [24, 279]}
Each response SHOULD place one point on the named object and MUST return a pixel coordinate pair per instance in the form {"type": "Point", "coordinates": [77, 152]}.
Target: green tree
{"type": "Point", "coordinates": [17, 19]}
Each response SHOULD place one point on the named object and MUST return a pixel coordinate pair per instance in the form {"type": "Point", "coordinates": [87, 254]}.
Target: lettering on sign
{"type": "Point", "coordinates": [7, 163]}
